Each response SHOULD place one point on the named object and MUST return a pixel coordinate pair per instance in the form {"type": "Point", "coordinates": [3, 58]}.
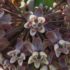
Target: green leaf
{"type": "Point", "coordinates": [49, 3]}
{"type": "Point", "coordinates": [38, 2]}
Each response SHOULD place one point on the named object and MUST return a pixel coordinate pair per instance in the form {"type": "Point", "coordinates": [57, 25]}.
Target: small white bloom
{"type": "Point", "coordinates": [34, 55]}
{"type": "Point", "coordinates": [54, 4]}
{"type": "Point", "coordinates": [22, 4]}
{"type": "Point", "coordinates": [6, 64]}
{"type": "Point", "coordinates": [61, 47]}
{"type": "Point", "coordinates": [21, 58]}
{"type": "Point", "coordinates": [15, 57]}
{"type": "Point", "coordinates": [32, 32]}
{"type": "Point", "coordinates": [38, 58]}
{"type": "Point", "coordinates": [41, 20]}
{"type": "Point", "coordinates": [32, 17]}
{"type": "Point", "coordinates": [57, 52]}
{"type": "Point", "coordinates": [36, 24]}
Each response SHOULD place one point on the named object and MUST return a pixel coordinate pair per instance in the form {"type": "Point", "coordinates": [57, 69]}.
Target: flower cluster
{"type": "Point", "coordinates": [34, 36]}
{"type": "Point", "coordinates": [35, 24]}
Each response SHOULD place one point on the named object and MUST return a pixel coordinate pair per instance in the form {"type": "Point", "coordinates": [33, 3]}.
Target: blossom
{"type": "Point", "coordinates": [38, 58]}
{"type": "Point", "coordinates": [61, 47]}
{"type": "Point", "coordinates": [35, 24]}
{"type": "Point", "coordinates": [29, 4]}
{"type": "Point", "coordinates": [16, 56]}
{"type": "Point", "coordinates": [6, 64]}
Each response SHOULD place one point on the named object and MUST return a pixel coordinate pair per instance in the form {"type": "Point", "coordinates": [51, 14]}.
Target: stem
{"type": "Point", "coordinates": [17, 15]}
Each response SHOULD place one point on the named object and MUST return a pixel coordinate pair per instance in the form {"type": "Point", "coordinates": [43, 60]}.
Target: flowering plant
{"type": "Point", "coordinates": [34, 34]}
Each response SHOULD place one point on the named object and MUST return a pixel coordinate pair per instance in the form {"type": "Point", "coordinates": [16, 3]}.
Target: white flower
{"type": "Point", "coordinates": [14, 56]}
{"type": "Point", "coordinates": [61, 47]}
{"type": "Point", "coordinates": [54, 4]}
{"type": "Point", "coordinates": [38, 58]}
{"type": "Point", "coordinates": [36, 24]}
{"type": "Point", "coordinates": [6, 64]}
{"type": "Point", "coordinates": [22, 4]}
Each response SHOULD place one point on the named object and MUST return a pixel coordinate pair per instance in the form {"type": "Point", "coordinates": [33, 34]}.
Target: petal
{"type": "Point", "coordinates": [57, 52]}
{"type": "Point", "coordinates": [41, 29]}
{"type": "Point", "coordinates": [30, 60]}
{"type": "Point", "coordinates": [22, 4]}
{"type": "Point", "coordinates": [6, 64]}
{"type": "Point", "coordinates": [37, 65]}
{"type": "Point", "coordinates": [35, 54]}
{"type": "Point", "coordinates": [43, 54]}
{"type": "Point", "coordinates": [54, 4]}
{"type": "Point", "coordinates": [62, 42]}
{"type": "Point", "coordinates": [21, 58]}
{"type": "Point", "coordinates": [26, 25]}
{"type": "Point", "coordinates": [13, 59]}
{"type": "Point", "coordinates": [32, 32]}
{"type": "Point", "coordinates": [32, 17]}
{"type": "Point", "coordinates": [44, 68]}
{"type": "Point", "coordinates": [13, 52]}
{"type": "Point", "coordinates": [46, 61]}
{"type": "Point", "coordinates": [41, 20]}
